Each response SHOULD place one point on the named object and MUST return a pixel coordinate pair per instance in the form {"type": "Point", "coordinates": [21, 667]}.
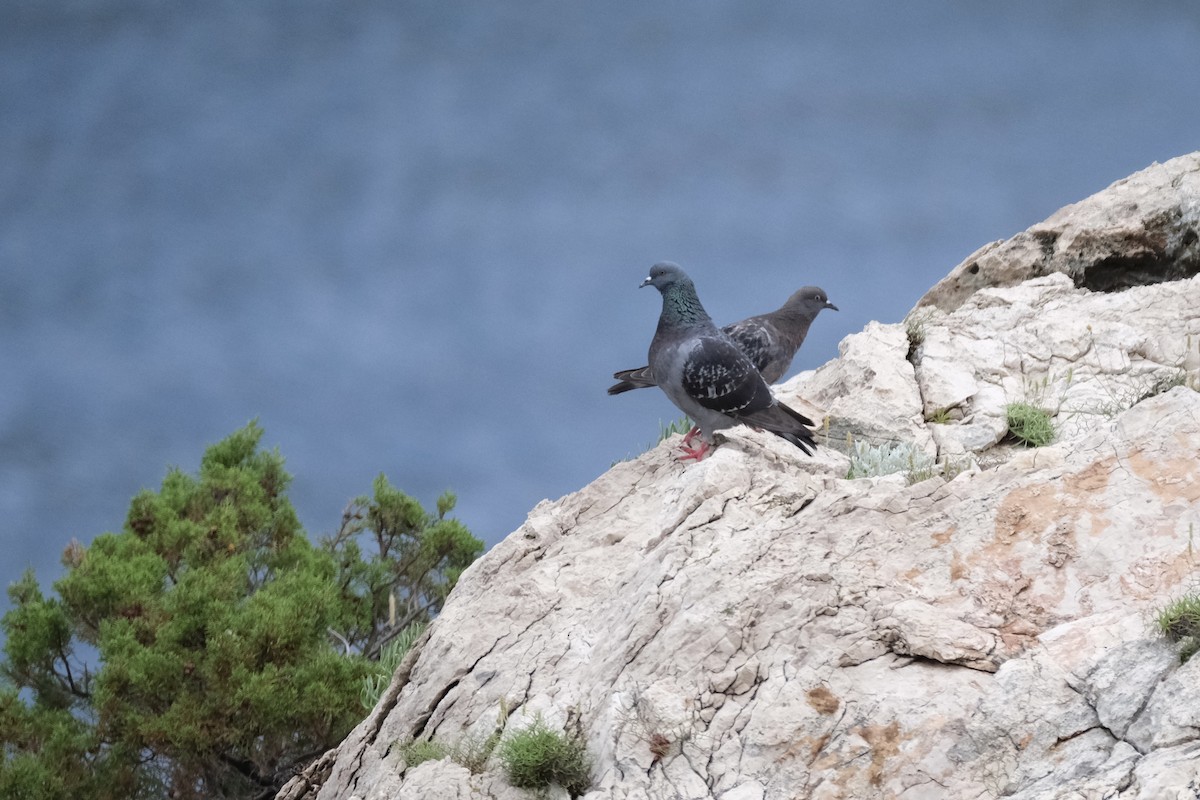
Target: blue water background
{"type": "Point", "coordinates": [407, 236]}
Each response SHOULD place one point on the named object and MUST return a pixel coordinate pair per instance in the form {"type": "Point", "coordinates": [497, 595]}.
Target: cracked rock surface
{"type": "Point", "coordinates": [757, 627]}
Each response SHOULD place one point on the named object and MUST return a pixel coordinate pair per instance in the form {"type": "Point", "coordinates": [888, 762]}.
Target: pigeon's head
{"type": "Point", "coordinates": [811, 299]}
{"type": "Point", "coordinates": [664, 275]}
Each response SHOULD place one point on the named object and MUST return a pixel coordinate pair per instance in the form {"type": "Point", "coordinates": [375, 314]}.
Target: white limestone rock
{"type": "Point", "coordinates": [1142, 229]}
{"type": "Point", "coordinates": [868, 393]}
{"type": "Point", "coordinates": [1171, 717]}
{"type": "Point", "coordinates": [758, 626]}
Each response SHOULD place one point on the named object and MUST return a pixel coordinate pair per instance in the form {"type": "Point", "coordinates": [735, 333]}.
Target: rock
{"type": "Point", "coordinates": [1169, 774]}
{"type": "Point", "coordinates": [1170, 717]}
{"type": "Point", "coordinates": [915, 628]}
{"type": "Point", "coordinates": [1119, 681]}
{"type": "Point", "coordinates": [1143, 229]}
{"type": "Point", "coordinates": [889, 411]}
{"type": "Point", "coordinates": [1081, 356]}
{"type": "Point", "coordinates": [758, 626]}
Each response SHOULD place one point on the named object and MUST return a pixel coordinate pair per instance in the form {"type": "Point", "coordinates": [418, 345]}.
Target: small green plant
{"type": "Point", "coordinates": [390, 656]}
{"type": "Point", "coordinates": [939, 417]}
{"type": "Point", "coordinates": [1180, 622]}
{"type": "Point", "coordinates": [1029, 424]}
{"type": "Point", "coordinates": [537, 757]}
{"type": "Point", "coordinates": [419, 751]}
{"type": "Point", "coordinates": [872, 461]}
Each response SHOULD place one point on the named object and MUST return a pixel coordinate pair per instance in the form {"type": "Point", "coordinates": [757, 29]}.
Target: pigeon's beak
{"type": "Point", "coordinates": [830, 305]}
{"type": "Point", "coordinates": [645, 283]}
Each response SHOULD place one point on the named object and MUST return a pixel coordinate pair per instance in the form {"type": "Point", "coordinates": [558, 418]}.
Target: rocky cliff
{"type": "Point", "coordinates": [977, 624]}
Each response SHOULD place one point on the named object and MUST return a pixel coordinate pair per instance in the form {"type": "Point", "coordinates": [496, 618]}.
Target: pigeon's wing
{"type": "Point", "coordinates": [718, 376]}
{"type": "Point", "coordinates": [639, 378]}
{"type": "Point", "coordinates": [754, 339]}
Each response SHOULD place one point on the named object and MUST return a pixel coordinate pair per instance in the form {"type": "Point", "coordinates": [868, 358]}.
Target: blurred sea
{"type": "Point", "coordinates": [407, 236]}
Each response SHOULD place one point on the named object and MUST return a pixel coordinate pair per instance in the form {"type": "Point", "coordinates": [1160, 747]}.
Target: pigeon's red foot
{"type": "Point", "coordinates": [687, 437]}
{"type": "Point", "coordinates": [697, 453]}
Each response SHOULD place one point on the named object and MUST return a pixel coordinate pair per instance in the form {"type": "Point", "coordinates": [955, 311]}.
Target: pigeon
{"type": "Point", "coordinates": [770, 340]}
{"type": "Point", "coordinates": [702, 371]}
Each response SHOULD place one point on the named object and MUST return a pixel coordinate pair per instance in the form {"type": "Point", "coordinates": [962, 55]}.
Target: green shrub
{"type": "Point", "coordinates": [537, 757]}
{"type": "Point", "coordinates": [189, 655]}
{"type": "Point", "coordinates": [1030, 425]}
{"type": "Point", "coordinates": [1180, 622]}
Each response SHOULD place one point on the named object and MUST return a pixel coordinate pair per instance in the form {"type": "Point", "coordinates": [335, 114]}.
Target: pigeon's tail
{"type": "Point", "coordinates": [786, 423]}
{"type": "Point", "coordinates": [639, 378]}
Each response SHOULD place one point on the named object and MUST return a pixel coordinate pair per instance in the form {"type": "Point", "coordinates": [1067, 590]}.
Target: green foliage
{"type": "Point", "coordinates": [1180, 622]}
{"type": "Point", "coordinates": [421, 750]}
{"type": "Point", "coordinates": [209, 617]}
{"type": "Point", "coordinates": [390, 657]}
{"type": "Point", "coordinates": [1029, 424]}
{"type": "Point", "coordinates": [939, 417]}
{"type": "Point", "coordinates": [416, 558]}
{"type": "Point", "coordinates": [48, 753]}
{"type": "Point", "coordinates": [537, 757]}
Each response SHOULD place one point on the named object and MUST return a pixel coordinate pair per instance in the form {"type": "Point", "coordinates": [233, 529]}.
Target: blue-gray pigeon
{"type": "Point", "coordinates": [770, 340]}
{"type": "Point", "coordinates": [704, 373]}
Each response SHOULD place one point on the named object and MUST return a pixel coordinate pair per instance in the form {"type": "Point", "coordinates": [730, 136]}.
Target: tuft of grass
{"type": "Point", "coordinates": [419, 751]}
{"type": "Point", "coordinates": [939, 417]}
{"type": "Point", "coordinates": [681, 425]}
{"type": "Point", "coordinates": [1029, 424]}
{"type": "Point", "coordinates": [474, 751]}
{"type": "Point", "coordinates": [1180, 622]}
{"type": "Point", "coordinates": [538, 757]}
{"type": "Point", "coordinates": [914, 327]}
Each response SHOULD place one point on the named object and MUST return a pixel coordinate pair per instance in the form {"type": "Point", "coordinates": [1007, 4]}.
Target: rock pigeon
{"type": "Point", "coordinates": [705, 374]}
{"type": "Point", "coordinates": [770, 340]}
